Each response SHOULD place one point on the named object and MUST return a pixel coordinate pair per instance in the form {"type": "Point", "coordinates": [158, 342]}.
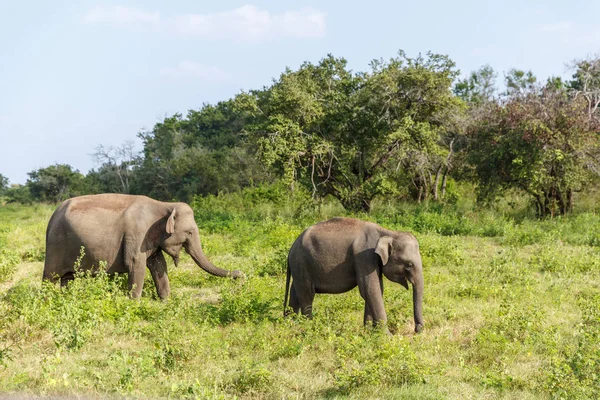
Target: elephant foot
{"type": "Point", "coordinates": [66, 278]}
{"type": "Point", "coordinates": [380, 326]}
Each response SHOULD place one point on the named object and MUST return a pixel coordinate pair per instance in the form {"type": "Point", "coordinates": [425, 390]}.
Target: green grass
{"type": "Point", "coordinates": [512, 310]}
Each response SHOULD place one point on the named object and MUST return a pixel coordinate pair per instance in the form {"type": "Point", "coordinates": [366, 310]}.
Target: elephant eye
{"type": "Point", "coordinates": [189, 233]}
{"type": "Point", "coordinates": [410, 265]}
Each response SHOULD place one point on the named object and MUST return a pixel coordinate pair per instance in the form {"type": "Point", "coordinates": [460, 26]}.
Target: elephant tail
{"type": "Point", "coordinates": [287, 287]}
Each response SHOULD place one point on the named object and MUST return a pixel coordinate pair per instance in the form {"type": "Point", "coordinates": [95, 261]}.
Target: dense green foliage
{"type": "Point", "coordinates": [55, 183]}
{"type": "Point", "coordinates": [342, 134]}
{"type": "Point", "coordinates": [540, 142]}
{"type": "Point", "coordinates": [407, 128]}
{"type": "Point", "coordinates": [511, 311]}
{"type": "Point", "coordinates": [204, 153]}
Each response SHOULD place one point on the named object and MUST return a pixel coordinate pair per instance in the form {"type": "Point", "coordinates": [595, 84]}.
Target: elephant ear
{"type": "Point", "coordinates": [171, 222]}
{"type": "Point", "coordinates": [384, 248]}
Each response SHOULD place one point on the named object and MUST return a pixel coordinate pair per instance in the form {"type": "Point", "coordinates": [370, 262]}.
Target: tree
{"type": "Point", "coordinates": [3, 184]}
{"type": "Point", "coordinates": [540, 141]}
{"type": "Point", "coordinates": [55, 183]}
{"type": "Point", "coordinates": [586, 83]}
{"type": "Point", "coordinates": [479, 87]}
{"type": "Point", "coordinates": [519, 82]}
{"type": "Point", "coordinates": [479, 93]}
{"type": "Point", "coordinates": [339, 132]}
{"type": "Point", "coordinates": [18, 194]}
{"type": "Point", "coordinates": [202, 153]}
{"type": "Point", "coordinates": [116, 167]}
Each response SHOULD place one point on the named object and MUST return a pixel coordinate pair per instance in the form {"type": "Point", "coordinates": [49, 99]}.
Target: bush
{"type": "Point", "coordinates": [250, 301]}
{"type": "Point", "coordinates": [73, 314]}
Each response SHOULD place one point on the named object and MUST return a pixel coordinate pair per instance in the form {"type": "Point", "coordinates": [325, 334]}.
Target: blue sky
{"type": "Point", "coordinates": [76, 74]}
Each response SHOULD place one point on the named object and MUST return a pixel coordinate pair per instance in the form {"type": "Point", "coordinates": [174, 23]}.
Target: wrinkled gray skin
{"type": "Point", "coordinates": [130, 233]}
{"type": "Point", "coordinates": [337, 255]}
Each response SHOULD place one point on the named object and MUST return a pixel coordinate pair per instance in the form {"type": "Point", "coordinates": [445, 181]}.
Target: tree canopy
{"type": "Point", "coordinates": [403, 128]}
{"type": "Point", "coordinates": [541, 142]}
{"type": "Point", "coordinates": [55, 183]}
{"type": "Point", "coordinates": [343, 134]}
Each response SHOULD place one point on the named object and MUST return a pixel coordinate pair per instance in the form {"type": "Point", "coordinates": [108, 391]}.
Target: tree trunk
{"type": "Point", "coordinates": [553, 203]}
{"type": "Point", "coordinates": [448, 166]}
{"type": "Point", "coordinates": [539, 206]}
{"type": "Point", "coordinates": [547, 205]}
{"type": "Point", "coordinates": [356, 203]}
{"type": "Point", "coordinates": [425, 187]}
{"type": "Point", "coordinates": [436, 183]}
{"type": "Point", "coordinates": [562, 205]}
{"type": "Point", "coordinates": [444, 182]}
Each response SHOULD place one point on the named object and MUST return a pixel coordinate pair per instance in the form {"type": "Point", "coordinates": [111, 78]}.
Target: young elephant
{"type": "Point", "coordinates": [129, 233]}
{"type": "Point", "coordinates": [337, 255]}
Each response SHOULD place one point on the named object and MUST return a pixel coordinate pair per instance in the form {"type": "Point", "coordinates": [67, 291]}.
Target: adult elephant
{"type": "Point", "coordinates": [337, 255]}
{"type": "Point", "coordinates": [129, 233]}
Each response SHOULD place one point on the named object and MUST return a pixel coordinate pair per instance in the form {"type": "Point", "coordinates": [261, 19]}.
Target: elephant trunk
{"type": "Point", "coordinates": [195, 251]}
{"type": "Point", "coordinates": [418, 302]}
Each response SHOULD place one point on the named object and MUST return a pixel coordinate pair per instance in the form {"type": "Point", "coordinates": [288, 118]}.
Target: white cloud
{"type": "Point", "coordinates": [558, 27]}
{"type": "Point", "coordinates": [246, 23]}
{"type": "Point", "coordinates": [193, 70]}
{"type": "Point", "coordinates": [250, 23]}
{"type": "Point", "coordinates": [568, 32]}
{"type": "Point", "coordinates": [123, 17]}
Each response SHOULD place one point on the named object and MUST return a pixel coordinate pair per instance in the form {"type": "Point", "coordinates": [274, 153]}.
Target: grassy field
{"type": "Point", "coordinates": [512, 310]}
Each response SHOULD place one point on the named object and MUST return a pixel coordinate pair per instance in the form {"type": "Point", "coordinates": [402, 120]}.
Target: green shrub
{"type": "Point", "coordinates": [248, 301]}
{"type": "Point", "coordinates": [74, 313]}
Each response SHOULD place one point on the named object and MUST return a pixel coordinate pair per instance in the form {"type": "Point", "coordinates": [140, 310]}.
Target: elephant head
{"type": "Point", "coordinates": [180, 231]}
{"type": "Point", "coordinates": [401, 262]}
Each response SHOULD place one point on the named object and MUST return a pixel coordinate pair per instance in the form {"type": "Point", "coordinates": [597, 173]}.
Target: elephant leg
{"type": "Point", "coordinates": [301, 299]}
{"type": "Point", "coordinates": [158, 268]}
{"type": "Point", "coordinates": [54, 264]}
{"type": "Point", "coordinates": [136, 282]}
{"type": "Point", "coordinates": [135, 265]}
{"type": "Point", "coordinates": [294, 302]}
{"type": "Point", "coordinates": [371, 290]}
{"type": "Point", "coordinates": [368, 317]}
{"type": "Point", "coordinates": [52, 277]}
{"type": "Point", "coordinates": [137, 273]}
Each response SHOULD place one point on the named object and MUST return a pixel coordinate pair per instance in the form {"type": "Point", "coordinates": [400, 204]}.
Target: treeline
{"type": "Point", "coordinates": [405, 128]}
